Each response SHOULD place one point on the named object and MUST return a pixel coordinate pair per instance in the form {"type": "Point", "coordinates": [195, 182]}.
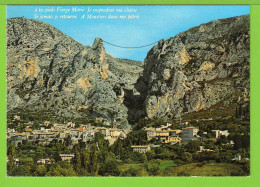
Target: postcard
{"type": "Point", "coordinates": [128, 90]}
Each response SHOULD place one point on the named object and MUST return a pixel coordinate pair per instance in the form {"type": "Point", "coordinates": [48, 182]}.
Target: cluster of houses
{"type": "Point", "coordinates": [165, 134]}
{"type": "Point", "coordinates": [63, 132]}
{"type": "Point", "coordinates": [85, 133]}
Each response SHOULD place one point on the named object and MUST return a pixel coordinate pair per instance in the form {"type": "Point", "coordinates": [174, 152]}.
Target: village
{"type": "Point", "coordinates": [153, 148]}
{"type": "Point", "coordinates": [72, 135]}
{"type": "Point", "coordinates": [62, 132]}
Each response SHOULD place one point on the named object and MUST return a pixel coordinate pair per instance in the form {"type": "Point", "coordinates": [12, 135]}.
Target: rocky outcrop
{"type": "Point", "coordinates": [203, 67]}
{"type": "Point", "coordinates": [198, 68]}
{"type": "Point", "coordinates": [47, 70]}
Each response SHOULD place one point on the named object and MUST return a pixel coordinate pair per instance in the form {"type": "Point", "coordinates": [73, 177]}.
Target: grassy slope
{"type": "Point", "coordinates": [210, 169]}
{"type": "Point", "coordinates": [163, 164]}
{"type": "Point", "coordinates": [166, 164]}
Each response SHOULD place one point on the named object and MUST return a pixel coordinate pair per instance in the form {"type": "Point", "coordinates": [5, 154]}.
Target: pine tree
{"type": "Point", "coordinates": [119, 148]}
{"type": "Point", "coordinates": [77, 160]}
{"type": "Point", "coordinates": [93, 160]}
{"type": "Point", "coordinates": [85, 163]}
{"type": "Point", "coordinates": [11, 166]}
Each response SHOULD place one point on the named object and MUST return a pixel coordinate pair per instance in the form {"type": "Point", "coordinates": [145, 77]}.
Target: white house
{"type": "Point", "coordinates": [16, 117]}
{"type": "Point", "coordinates": [114, 133]}
{"type": "Point", "coordinates": [237, 157]}
{"type": "Point", "coordinates": [10, 132]}
{"type": "Point", "coordinates": [220, 133]}
{"type": "Point", "coordinates": [202, 149]}
{"type": "Point", "coordinates": [67, 157]}
{"type": "Point", "coordinates": [70, 124]}
{"type": "Point", "coordinates": [141, 148]}
{"type": "Point", "coordinates": [44, 161]}
{"type": "Point", "coordinates": [103, 131]}
{"type": "Point", "coordinates": [16, 160]}
{"type": "Point", "coordinates": [88, 136]}
{"type": "Point", "coordinates": [74, 140]}
{"type": "Point", "coordinates": [150, 134]}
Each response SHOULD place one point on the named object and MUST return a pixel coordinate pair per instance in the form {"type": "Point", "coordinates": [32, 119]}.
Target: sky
{"type": "Point", "coordinates": [155, 22]}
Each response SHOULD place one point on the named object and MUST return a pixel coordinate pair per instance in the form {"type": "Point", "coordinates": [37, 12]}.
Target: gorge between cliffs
{"type": "Point", "coordinates": [204, 71]}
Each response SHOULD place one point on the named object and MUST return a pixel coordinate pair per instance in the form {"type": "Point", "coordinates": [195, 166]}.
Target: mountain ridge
{"type": "Point", "coordinates": [192, 71]}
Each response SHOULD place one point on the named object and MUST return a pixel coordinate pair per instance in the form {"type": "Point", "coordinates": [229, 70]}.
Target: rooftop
{"type": "Point", "coordinates": [190, 128]}
{"type": "Point", "coordinates": [71, 155]}
{"type": "Point", "coordinates": [140, 146]}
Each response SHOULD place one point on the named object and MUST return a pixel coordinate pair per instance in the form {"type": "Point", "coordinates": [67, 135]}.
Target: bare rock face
{"type": "Point", "coordinates": [195, 70]}
{"type": "Point", "coordinates": [47, 70]}
{"type": "Point", "coordinates": [198, 68]}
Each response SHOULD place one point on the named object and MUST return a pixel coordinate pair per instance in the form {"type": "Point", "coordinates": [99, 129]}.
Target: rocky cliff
{"type": "Point", "coordinates": [204, 67]}
{"type": "Point", "coordinates": [47, 70]}
{"type": "Point", "coordinates": [198, 69]}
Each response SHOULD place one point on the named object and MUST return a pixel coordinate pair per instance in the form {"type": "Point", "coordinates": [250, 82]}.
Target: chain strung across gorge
{"type": "Point", "coordinates": [130, 47]}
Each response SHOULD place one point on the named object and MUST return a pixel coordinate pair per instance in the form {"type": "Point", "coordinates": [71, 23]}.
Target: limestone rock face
{"type": "Point", "coordinates": [195, 70]}
{"type": "Point", "coordinates": [198, 68]}
{"type": "Point", "coordinates": [47, 70]}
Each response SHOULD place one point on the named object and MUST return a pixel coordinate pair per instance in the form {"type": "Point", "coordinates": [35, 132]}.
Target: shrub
{"type": "Point", "coordinates": [183, 173]}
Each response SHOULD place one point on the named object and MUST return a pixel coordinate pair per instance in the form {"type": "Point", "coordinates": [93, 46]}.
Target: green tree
{"type": "Point", "coordinates": [135, 138]}
{"type": "Point", "coordinates": [168, 172]}
{"type": "Point", "coordinates": [154, 170]}
{"type": "Point", "coordinates": [68, 141]}
{"type": "Point", "coordinates": [187, 157]}
{"type": "Point", "coordinates": [36, 125]}
{"type": "Point", "coordinates": [222, 140]}
{"type": "Point", "coordinates": [142, 172]}
{"type": "Point", "coordinates": [61, 169]}
{"type": "Point", "coordinates": [193, 146]}
{"type": "Point", "coordinates": [143, 158]}
{"type": "Point", "coordinates": [109, 168]}
{"type": "Point", "coordinates": [140, 124]}
{"type": "Point", "coordinates": [102, 145]}
{"type": "Point", "coordinates": [93, 160]}
{"type": "Point", "coordinates": [23, 170]}
{"type": "Point", "coordinates": [40, 170]}
{"type": "Point", "coordinates": [117, 148]}
{"type": "Point", "coordinates": [183, 173]}
{"type": "Point", "coordinates": [158, 122]}
{"type": "Point", "coordinates": [130, 172]}
{"type": "Point", "coordinates": [77, 160]}
{"type": "Point", "coordinates": [11, 165]}
{"type": "Point", "coordinates": [225, 156]}
{"type": "Point", "coordinates": [85, 163]}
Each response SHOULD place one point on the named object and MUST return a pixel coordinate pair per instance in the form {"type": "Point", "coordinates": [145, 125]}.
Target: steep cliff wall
{"type": "Point", "coordinates": [47, 70]}
{"type": "Point", "coordinates": [198, 68]}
